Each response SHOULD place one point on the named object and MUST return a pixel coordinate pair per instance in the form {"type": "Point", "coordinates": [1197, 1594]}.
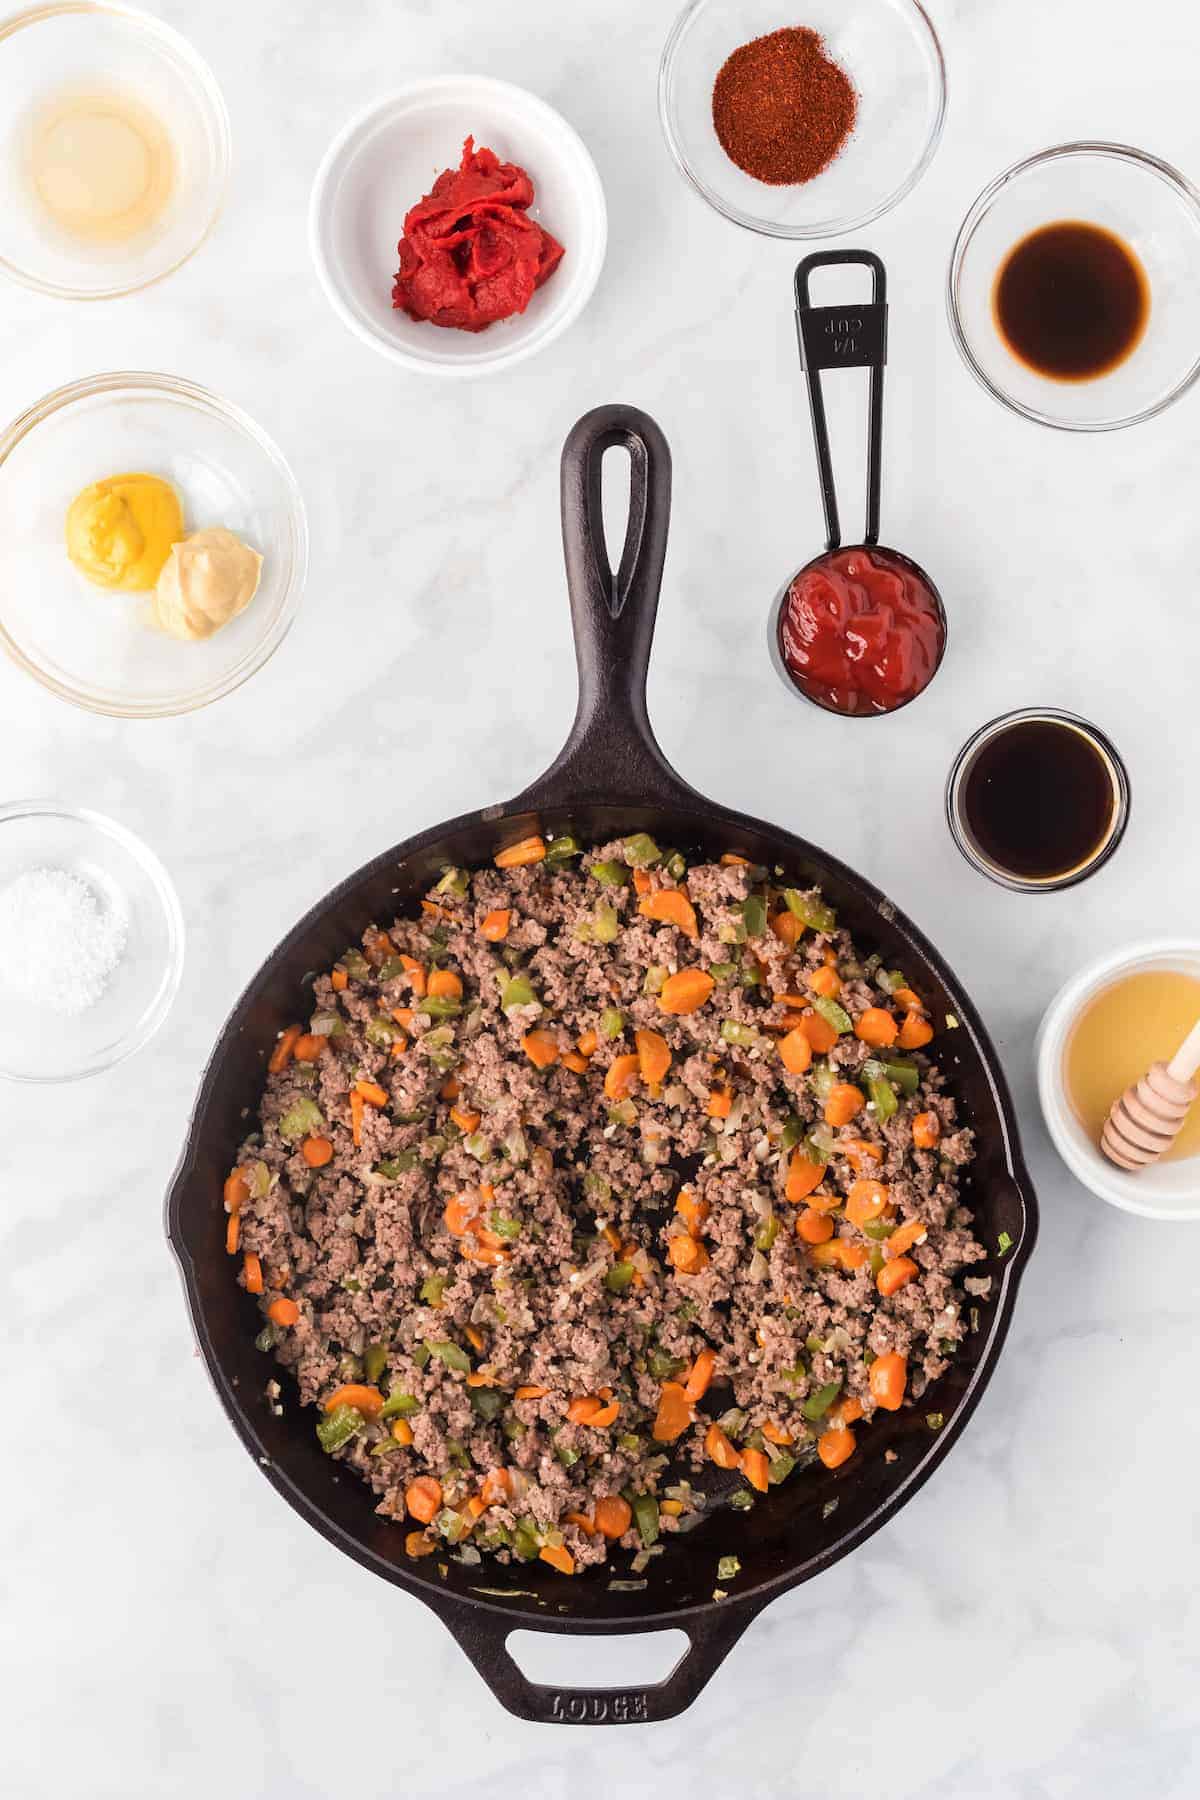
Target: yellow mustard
{"type": "Point", "coordinates": [120, 531]}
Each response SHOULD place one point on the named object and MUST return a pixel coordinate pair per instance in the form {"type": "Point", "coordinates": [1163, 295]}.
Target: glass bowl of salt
{"type": "Point", "coordinates": [91, 942]}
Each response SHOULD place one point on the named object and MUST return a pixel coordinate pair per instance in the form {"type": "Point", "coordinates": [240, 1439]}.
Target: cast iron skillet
{"type": "Point", "coordinates": [610, 778]}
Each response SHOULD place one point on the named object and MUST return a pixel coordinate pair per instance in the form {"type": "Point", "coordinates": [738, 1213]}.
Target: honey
{"type": "Point", "coordinates": [1138, 1020]}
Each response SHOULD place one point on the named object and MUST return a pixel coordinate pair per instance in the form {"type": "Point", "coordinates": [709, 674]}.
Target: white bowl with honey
{"type": "Point", "coordinates": [1101, 1032]}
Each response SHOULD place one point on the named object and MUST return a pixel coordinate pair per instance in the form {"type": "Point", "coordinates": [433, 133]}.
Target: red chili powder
{"type": "Point", "coordinates": [782, 109]}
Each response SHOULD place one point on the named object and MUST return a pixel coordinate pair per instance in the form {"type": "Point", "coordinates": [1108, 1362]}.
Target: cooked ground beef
{"type": "Point", "coordinates": [540, 1243]}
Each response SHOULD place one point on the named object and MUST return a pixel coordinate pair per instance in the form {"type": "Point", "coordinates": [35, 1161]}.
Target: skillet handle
{"type": "Point", "coordinates": [611, 752]}
{"type": "Point", "coordinates": [712, 1633]}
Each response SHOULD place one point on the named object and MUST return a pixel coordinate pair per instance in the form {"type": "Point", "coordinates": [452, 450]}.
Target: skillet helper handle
{"type": "Point", "coordinates": [844, 337]}
{"type": "Point", "coordinates": [484, 1637]}
{"type": "Point", "coordinates": [611, 750]}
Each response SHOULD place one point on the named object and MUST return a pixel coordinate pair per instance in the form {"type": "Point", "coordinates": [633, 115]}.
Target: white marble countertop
{"type": "Point", "coordinates": [1028, 1625]}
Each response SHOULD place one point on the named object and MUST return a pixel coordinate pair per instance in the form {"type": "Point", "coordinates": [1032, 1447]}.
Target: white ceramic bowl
{"type": "Point", "coordinates": [390, 155]}
{"type": "Point", "coordinates": [97, 47]}
{"type": "Point", "coordinates": [96, 648]}
{"type": "Point", "coordinates": [1166, 1190]}
{"type": "Point", "coordinates": [128, 883]}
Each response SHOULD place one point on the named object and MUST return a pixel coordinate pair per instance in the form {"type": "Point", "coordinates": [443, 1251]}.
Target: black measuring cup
{"type": "Point", "coordinates": [860, 630]}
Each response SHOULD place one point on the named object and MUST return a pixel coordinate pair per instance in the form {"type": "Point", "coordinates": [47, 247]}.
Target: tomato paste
{"type": "Point", "coordinates": [861, 631]}
{"type": "Point", "coordinates": [470, 253]}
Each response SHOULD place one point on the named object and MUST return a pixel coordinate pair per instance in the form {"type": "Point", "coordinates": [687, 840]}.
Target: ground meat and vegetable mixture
{"type": "Point", "coordinates": [602, 1171]}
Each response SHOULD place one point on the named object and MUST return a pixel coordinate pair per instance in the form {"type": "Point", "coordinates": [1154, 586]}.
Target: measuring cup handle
{"type": "Point", "coordinates": [852, 337]}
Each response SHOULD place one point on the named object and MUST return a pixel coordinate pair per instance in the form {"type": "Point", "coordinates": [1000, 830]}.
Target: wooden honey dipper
{"type": "Point", "coordinates": [1144, 1123]}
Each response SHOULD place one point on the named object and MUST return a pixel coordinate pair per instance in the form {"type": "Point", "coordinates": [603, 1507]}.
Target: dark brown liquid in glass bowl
{"type": "Point", "coordinates": [1071, 300]}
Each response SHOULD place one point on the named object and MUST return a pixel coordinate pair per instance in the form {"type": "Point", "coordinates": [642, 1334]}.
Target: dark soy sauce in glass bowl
{"type": "Point", "coordinates": [1038, 800]}
{"type": "Point", "coordinates": [1071, 301]}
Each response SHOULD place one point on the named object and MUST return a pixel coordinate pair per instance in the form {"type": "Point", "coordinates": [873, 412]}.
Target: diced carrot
{"type": "Point", "coordinates": [372, 1093]}
{"type": "Point", "coordinates": [403, 1015]}
{"type": "Point", "coordinates": [820, 1034]}
{"type": "Point", "coordinates": [236, 1191]}
{"type": "Point", "coordinates": [606, 1416]}
{"type": "Point", "coordinates": [357, 1108]}
{"type": "Point", "coordinates": [283, 1311]}
{"type": "Point", "coordinates": [588, 1043]}
{"type": "Point", "coordinates": [787, 928]}
{"type": "Point", "coordinates": [582, 1409]}
{"type": "Point", "coordinates": [904, 1237]}
{"type": "Point", "coordinates": [795, 1052]}
{"type": "Point", "coordinates": [316, 1151]}
{"type": "Point", "coordinates": [613, 1516]}
{"type": "Point", "coordinates": [915, 1031]}
{"type": "Point", "coordinates": [686, 991]}
{"type": "Point", "coordinates": [402, 1431]}
{"type": "Point", "coordinates": [896, 1274]}
{"type": "Point", "coordinates": [876, 1027]}
{"type": "Point", "coordinates": [888, 1377]}
{"type": "Point", "coordinates": [233, 1232]}
{"type": "Point", "coordinates": [444, 982]}
{"type": "Point", "coordinates": [654, 1055]}
{"type": "Point", "coordinates": [281, 1055]}
{"type": "Point", "coordinates": [541, 1047]}
{"type": "Point", "coordinates": [497, 1486]}
{"type": "Point", "coordinates": [459, 1212]}
{"type": "Point", "coordinates": [840, 1253]}
{"type": "Point", "coordinates": [699, 1376]}
{"type": "Point", "coordinates": [620, 1076]}
{"type": "Point", "coordinates": [582, 1520]}
{"type": "Point", "coordinates": [423, 1497]}
{"type": "Point", "coordinates": [774, 1435]}
{"type": "Point", "coordinates": [926, 1130]}
{"type": "Point", "coordinates": [466, 1121]}
{"type": "Point", "coordinates": [419, 1543]}
{"type": "Point", "coordinates": [310, 1046]}
{"type": "Point", "coordinates": [674, 1414]}
{"type": "Point", "coordinates": [399, 1046]}
{"type": "Point", "coordinates": [720, 1103]}
{"type": "Point", "coordinates": [473, 1336]}
{"type": "Point", "coordinates": [557, 1555]}
{"type": "Point", "coordinates": [416, 975]}
{"type": "Point", "coordinates": [825, 981]}
{"type": "Point", "coordinates": [836, 1447]}
{"type": "Point", "coordinates": [802, 1177]}
{"type": "Point", "coordinates": [531, 1391]}
{"type": "Point", "coordinates": [253, 1273]}
{"type": "Point", "coordinates": [571, 1059]}
{"type": "Point", "coordinates": [730, 860]}
{"type": "Point", "coordinates": [843, 1103]}
{"type": "Point", "coordinates": [432, 910]}
{"type": "Point", "coordinates": [672, 1508]}
{"type": "Point", "coordinates": [339, 980]}
{"type": "Point", "coordinates": [847, 1412]}
{"type": "Point", "coordinates": [905, 997]}
{"type": "Point", "coordinates": [865, 1201]}
{"type": "Point", "coordinates": [756, 1468]}
{"type": "Point", "coordinates": [518, 855]}
{"type": "Point", "coordinates": [495, 925]}
{"type": "Point", "coordinates": [687, 1254]}
{"type": "Point", "coordinates": [718, 1448]}
{"type": "Point", "coordinates": [475, 1507]}
{"type": "Point", "coordinates": [858, 1149]}
{"type": "Point", "coordinates": [377, 946]}
{"type": "Point", "coordinates": [693, 1212]}
{"type": "Point", "coordinates": [671, 906]}
{"type": "Point", "coordinates": [641, 881]}
{"type": "Point", "coordinates": [450, 1089]}
{"type": "Point", "coordinates": [814, 1227]}
{"type": "Point", "coordinates": [367, 1399]}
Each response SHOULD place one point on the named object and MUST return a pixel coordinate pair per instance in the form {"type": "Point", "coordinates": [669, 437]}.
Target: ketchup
{"type": "Point", "coordinates": [861, 631]}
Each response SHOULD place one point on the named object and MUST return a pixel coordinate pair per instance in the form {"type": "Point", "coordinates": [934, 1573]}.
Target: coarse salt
{"type": "Point", "coordinates": [58, 945]}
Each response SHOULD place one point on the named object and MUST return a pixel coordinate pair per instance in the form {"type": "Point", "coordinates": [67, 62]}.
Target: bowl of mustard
{"type": "Point", "coordinates": [157, 545]}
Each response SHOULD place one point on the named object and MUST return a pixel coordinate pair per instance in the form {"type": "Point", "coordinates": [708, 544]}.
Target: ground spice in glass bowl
{"type": "Point", "coordinates": [782, 108]}
{"type": "Point", "coordinates": [804, 123]}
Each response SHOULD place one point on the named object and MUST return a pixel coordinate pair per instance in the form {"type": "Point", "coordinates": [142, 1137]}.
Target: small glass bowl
{"type": "Point", "coordinates": [1146, 203]}
{"type": "Point", "coordinates": [93, 47]}
{"type": "Point", "coordinates": [891, 53]}
{"type": "Point", "coordinates": [961, 831]}
{"type": "Point", "coordinates": [95, 647]}
{"type": "Point", "coordinates": [127, 879]}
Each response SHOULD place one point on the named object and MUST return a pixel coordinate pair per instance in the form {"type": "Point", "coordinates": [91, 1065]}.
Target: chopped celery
{"type": "Point", "coordinates": [882, 1093]}
{"type": "Point", "coordinates": [904, 1073]}
{"type": "Point", "coordinates": [487, 1402]}
{"type": "Point", "coordinates": [663, 1365]}
{"type": "Point", "coordinates": [610, 874]}
{"type": "Point", "coordinates": [767, 1232]}
{"type": "Point", "coordinates": [597, 1187]}
{"type": "Point", "coordinates": [754, 915]}
{"type": "Point", "coordinates": [728, 1567]}
{"type": "Point", "coordinates": [454, 881]}
{"type": "Point", "coordinates": [612, 1022]}
{"type": "Point", "coordinates": [566, 1455]}
{"type": "Point", "coordinates": [780, 1467]}
{"type": "Point", "coordinates": [560, 849]}
{"type": "Point", "coordinates": [721, 971]}
{"type": "Point", "coordinates": [504, 1227]}
{"type": "Point", "coordinates": [619, 1277]}
{"type": "Point", "coordinates": [623, 1113]}
{"type": "Point", "coordinates": [792, 1132]}
{"type": "Point", "coordinates": [655, 979]}
{"type": "Point", "coordinates": [526, 1543]}
{"type": "Point", "coordinates": [302, 1118]}
{"type": "Point", "coordinates": [257, 1177]}
{"type": "Point", "coordinates": [606, 926]}
{"type": "Point", "coordinates": [676, 866]}
{"type": "Point", "coordinates": [374, 1361]}
{"type": "Point", "coordinates": [381, 1032]}
{"type": "Point", "coordinates": [450, 1354]}
{"type": "Point", "coordinates": [735, 1032]}
{"type": "Point", "coordinates": [822, 1079]}
{"type": "Point", "coordinates": [833, 1014]}
{"type": "Point", "coordinates": [439, 1006]}
{"type": "Point", "coordinates": [399, 1405]}
{"type": "Point", "coordinates": [355, 965]}
{"type": "Point", "coordinates": [818, 1404]}
{"type": "Point", "coordinates": [640, 850]}
{"type": "Point", "coordinates": [267, 1338]}
{"type": "Point", "coordinates": [433, 1288]}
{"type": "Point", "coordinates": [517, 992]}
{"type": "Point", "coordinates": [742, 1500]}
{"type": "Point", "coordinates": [327, 1024]}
